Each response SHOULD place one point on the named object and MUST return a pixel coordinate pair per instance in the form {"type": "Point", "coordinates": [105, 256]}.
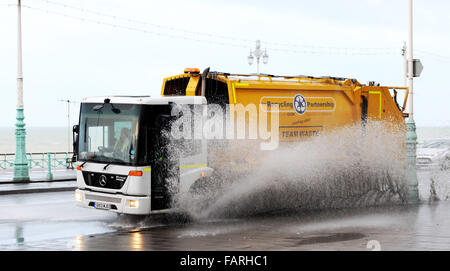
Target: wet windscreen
{"type": "Point", "coordinates": [108, 133]}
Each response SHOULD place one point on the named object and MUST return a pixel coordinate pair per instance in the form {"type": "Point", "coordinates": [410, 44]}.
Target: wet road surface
{"type": "Point", "coordinates": [51, 221]}
{"type": "Point", "coordinates": [424, 227]}
{"type": "Point", "coordinates": [35, 218]}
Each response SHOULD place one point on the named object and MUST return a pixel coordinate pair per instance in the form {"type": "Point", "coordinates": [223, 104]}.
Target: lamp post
{"type": "Point", "coordinates": [258, 53]}
{"type": "Point", "coordinates": [411, 136]}
{"type": "Point", "coordinates": [20, 162]}
{"type": "Point", "coordinates": [69, 131]}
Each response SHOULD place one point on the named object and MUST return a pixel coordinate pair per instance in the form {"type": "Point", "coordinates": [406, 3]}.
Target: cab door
{"type": "Point", "coordinates": [165, 169]}
{"type": "Point", "coordinates": [165, 176]}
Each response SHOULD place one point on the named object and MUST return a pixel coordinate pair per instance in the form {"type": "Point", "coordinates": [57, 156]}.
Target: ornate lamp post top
{"type": "Point", "coordinates": [258, 53]}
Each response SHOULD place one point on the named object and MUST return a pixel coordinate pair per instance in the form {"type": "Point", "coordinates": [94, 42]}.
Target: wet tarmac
{"type": "Point", "coordinates": [51, 221]}
{"type": "Point", "coordinates": [424, 227]}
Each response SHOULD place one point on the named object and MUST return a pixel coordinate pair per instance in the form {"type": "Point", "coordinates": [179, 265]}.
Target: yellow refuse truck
{"type": "Point", "coordinates": [126, 164]}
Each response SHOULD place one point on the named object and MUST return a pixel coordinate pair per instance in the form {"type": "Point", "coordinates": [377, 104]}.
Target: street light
{"type": "Point", "coordinates": [258, 53]}
{"type": "Point", "coordinates": [411, 136]}
{"type": "Point", "coordinates": [20, 161]}
{"type": "Point", "coordinates": [69, 131]}
{"type": "Point", "coordinates": [251, 59]}
{"type": "Point", "coordinates": [265, 57]}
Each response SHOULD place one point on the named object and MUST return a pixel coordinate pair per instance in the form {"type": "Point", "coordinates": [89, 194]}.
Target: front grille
{"type": "Point", "coordinates": [103, 180]}
{"type": "Point", "coordinates": [103, 198]}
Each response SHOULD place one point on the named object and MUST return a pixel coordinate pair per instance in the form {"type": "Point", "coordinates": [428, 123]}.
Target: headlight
{"type": "Point", "coordinates": [133, 203]}
{"type": "Point", "coordinates": [437, 154]}
{"type": "Point", "coordinates": [78, 196]}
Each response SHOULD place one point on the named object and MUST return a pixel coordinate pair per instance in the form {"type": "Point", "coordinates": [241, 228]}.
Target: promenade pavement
{"type": "Point", "coordinates": [63, 180]}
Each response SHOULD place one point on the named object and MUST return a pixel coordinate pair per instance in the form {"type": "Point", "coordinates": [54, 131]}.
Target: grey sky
{"type": "Point", "coordinates": [67, 57]}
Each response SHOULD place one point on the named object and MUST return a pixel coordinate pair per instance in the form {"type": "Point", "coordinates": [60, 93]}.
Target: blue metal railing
{"type": "Point", "coordinates": [39, 160]}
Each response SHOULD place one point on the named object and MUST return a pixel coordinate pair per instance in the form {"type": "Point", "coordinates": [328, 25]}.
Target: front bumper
{"type": "Point", "coordinates": [116, 202]}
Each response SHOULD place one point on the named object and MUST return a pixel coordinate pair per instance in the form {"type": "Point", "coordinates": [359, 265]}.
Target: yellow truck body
{"type": "Point", "coordinates": [330, 102]}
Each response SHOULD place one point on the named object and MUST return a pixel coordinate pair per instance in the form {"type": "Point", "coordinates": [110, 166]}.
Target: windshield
{"type": "Point", "coordinates": [437, 144]}
{"type": "Point", "coordinates": [108, 133]}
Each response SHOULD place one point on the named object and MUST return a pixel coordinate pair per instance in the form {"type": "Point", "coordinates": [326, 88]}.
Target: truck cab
{"type": "Point", "coordinates": [126, 161]}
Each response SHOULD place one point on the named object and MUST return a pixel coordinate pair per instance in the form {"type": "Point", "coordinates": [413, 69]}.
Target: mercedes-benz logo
{"type": "Point", "coordinates": [102, 180]}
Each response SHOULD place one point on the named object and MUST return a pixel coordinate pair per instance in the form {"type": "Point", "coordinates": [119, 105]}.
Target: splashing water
{"type": "Point", "coordinates": [350, 167]}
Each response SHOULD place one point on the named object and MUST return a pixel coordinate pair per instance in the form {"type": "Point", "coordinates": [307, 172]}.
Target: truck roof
{"type": "Point", "coordinates": [271, 79]}
{"type": "Point", "coordinates": [147, 99]}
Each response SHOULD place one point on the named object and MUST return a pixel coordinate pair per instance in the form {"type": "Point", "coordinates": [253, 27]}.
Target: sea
{"type": "Point", "coordinates": [38, 139]}
{"type": "Point", "coordinates": [59, 139]}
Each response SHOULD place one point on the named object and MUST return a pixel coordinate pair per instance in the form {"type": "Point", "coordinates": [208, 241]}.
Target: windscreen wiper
{"type": "Point", "coordinates": [88, 160]}
{"type": "Point", "coordinates": [114, 160]}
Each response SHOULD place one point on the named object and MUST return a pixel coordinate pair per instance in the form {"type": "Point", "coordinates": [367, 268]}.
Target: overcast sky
{"type": "Point", "coordinates": [120, 47]}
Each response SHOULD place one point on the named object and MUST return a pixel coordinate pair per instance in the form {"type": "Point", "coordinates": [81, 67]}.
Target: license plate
{"type": "Point", "coordinates": [100, 205]}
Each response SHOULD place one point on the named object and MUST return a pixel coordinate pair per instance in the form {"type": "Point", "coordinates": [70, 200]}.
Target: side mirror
{"type": "Point", "coordinates": [75, 133]}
